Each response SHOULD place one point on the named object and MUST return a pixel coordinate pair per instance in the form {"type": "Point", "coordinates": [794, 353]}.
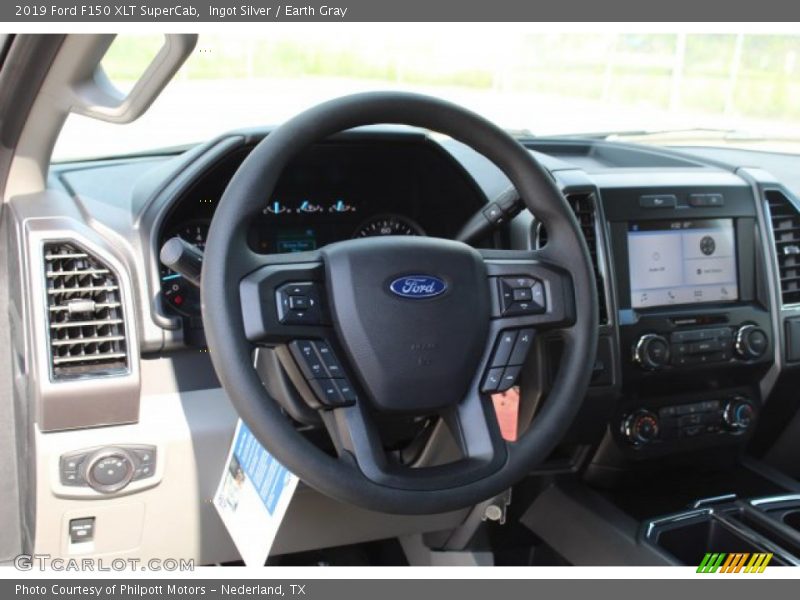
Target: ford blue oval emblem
{"type": "Point", "coordinates": [417, 287]}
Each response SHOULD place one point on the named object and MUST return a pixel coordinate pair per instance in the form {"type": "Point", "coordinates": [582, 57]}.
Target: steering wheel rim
{"type": "Point", "coordinates": [228, 261]}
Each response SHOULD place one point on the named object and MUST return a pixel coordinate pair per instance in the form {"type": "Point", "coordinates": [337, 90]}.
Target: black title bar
{"type": "Point", "coordinates": [204, 11]}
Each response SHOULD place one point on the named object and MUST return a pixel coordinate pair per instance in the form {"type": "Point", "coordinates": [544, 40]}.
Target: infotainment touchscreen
{"type": "Point", "coordinates": [682, 262]}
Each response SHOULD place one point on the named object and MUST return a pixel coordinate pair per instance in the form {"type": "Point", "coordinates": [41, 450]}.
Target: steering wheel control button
{"type": "Point", "coordinates": [505, 345]}
{"type": "Point", "coordinates": [346, 391]}
{"type": "Point", "coordinates": [521, 296]}
{"type": "Point", "coordinates": [492, 380]}
{"type": "Point", "coordinates": [323, 373]}
{"type": "Point", "coordinates": [521, 347]}
{"type": "Point", "coordinates": [509, 378]}
{"type": "Point", "coordinates": [327, 392]}
{"type": "Point", "coordinates": [332, 366]}
{"type": "Point", "coordinates": [307, 358]}
{"type": "Point", "coordinates": [299, 304]}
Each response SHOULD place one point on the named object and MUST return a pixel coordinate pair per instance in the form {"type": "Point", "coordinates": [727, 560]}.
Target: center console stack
{"type": "Point", "coordinates": [693, 313]}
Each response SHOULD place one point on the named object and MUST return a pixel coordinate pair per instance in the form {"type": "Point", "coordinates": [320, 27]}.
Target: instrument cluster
{"type": "Point", "coordinates": [334, 191]}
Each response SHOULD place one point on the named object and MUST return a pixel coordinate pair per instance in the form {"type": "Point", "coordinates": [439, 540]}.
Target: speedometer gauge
{"type": "Point", "coordinates": [388, 225]}
{"type": "Point", "coordinates": [176, 292]}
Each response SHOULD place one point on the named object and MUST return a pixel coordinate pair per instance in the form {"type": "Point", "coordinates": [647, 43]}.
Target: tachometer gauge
{"type": "Point", "coordinates": [388, 225]}
{"type": "Point", "coordinates": [176, 292]}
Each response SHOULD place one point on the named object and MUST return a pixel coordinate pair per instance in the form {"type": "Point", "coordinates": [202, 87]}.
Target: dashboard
{"type": "Point", "coordinates": [695, 260]}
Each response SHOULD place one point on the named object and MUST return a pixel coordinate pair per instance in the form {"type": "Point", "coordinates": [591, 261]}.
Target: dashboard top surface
{"type": "Point", "coordinates": [395, 180]}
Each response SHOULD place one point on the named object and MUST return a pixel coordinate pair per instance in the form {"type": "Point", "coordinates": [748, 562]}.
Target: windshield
{"type": "Point", "coordinates": [731, 89]}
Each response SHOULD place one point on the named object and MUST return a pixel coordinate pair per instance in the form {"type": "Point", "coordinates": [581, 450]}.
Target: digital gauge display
{"type": "Point", "coordinates": [388, 225]}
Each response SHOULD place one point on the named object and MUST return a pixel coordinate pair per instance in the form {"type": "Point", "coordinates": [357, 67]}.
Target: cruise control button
{"type": "Point", "coordinates": [332, 365]}
{"type": "Point", "coordinates": [505, 344]}
{"type": "Point", "coordinates": [521, 347]}
{"type": "Point", "coordinates": [510, 375]}
{"type": "Point", "coordinates": [492, 380]}
{"type": "Point", "coordinates": [306, 357]}
{"type": "Point", "coordinates": [346, 391]}
{"type": "Point", "coordinates": [326, 391]}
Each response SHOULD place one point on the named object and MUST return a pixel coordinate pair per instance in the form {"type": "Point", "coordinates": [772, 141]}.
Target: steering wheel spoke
{"type": "Point", "coordinates": [357, 439]}
{"type": "Point", "coordinates": [282, 301]}
{"type": "Point", "coordinates": [529, 290]}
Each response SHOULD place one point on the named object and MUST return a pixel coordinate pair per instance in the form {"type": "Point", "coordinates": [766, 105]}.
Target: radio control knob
{"type": "Point", "coordinates": [640, 427]}
{"type": "Point", "coordinates": [751, 342]}
{"type": "Point", "coordinates": [738, 413]}
{"type": "Point", "coordinates": [651, 352]}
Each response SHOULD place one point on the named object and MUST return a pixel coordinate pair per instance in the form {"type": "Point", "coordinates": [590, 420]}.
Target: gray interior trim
{"type": "Point", "coordinates": [11, 522]}
{"type": "Point", "coordinates": [587, 530]}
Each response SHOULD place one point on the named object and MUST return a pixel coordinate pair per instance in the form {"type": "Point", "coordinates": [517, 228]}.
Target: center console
{"type": "Point", "coordinates": [730, 535]}
{"type": "Point", "coordinates": [693, 312]}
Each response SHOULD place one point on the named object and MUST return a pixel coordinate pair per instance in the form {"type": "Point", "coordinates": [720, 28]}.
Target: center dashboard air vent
{"type": "Point", "coordinates": [85, 318]}
{"type": "Point", "coordinates": [785, 220]}
{"type": "Point", "coordinates": [584, 207]}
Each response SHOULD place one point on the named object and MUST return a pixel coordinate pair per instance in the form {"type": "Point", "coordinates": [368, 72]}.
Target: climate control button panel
{"type": "Point", "coordinates": [671, 423]}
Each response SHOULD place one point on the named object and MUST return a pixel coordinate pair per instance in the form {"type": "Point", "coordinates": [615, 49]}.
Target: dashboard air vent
{"type": "Point", "coordinates": [85, 319]}
{"type": "Point", "coordinates": [583, 205]}
{"type": "Point", "coordinates": [786, 233]}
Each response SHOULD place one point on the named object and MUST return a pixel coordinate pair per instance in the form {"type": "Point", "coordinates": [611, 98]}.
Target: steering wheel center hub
{"type": "Point", "coordinates": [412, 314]}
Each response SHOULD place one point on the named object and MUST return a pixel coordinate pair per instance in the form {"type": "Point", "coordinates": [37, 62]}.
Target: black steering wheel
{"type": "Point", "coordinates": [391, 327]}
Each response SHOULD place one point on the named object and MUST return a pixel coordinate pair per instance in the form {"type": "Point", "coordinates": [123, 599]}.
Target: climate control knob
{"type": "Point", "coordinates": [751, 342]}
{"type": "Point", "coordinates": [739, 413]}
{"type": "Point", "coordinates": [640, 427]}
{"type": "Point", "coordinates": [651, 352]}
